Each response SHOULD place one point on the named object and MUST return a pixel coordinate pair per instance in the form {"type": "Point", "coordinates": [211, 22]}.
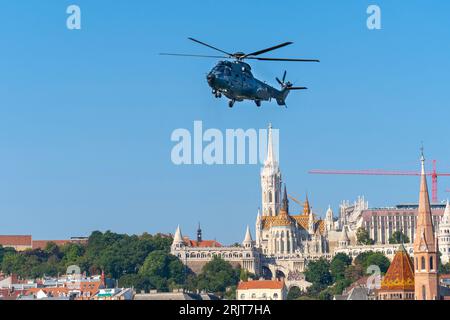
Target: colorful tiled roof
{"type": "Point", "coordinates": [260, 284]}
{"type": "Point", "coordinates": [302, 220]}
{"type": "Point", "coordinates": [202, 244]}
{"type": "Point", "coordinates": [400, 275]}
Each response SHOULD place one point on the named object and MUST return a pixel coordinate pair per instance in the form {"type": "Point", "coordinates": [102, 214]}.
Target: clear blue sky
{"type": "Point", "coordinates": [86, 116]}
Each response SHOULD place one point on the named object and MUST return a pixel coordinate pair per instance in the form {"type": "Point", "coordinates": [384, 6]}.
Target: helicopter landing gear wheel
{"type": "Point", "coordinates": [218, 94]}
{"type": "Point", "coordinates": [258, 103]}
{"type": "Point", "coordinates": [231, 103]}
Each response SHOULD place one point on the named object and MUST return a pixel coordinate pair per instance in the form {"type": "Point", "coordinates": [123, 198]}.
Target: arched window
{"type": "Point", "coordinates": [253, 295]}
{"type": "Point", "coordinates": [270, 196]}
{"type": "Point", "coordinates": [275, 295]}
{"type": "Point", "coordinates": [242, 296]}
{"type": "Point", "coordinates": [424, 293]}
{"type": "Point", "coordinates": [431, 263]}
{"type": "Point", "coordinates": [423, 263]}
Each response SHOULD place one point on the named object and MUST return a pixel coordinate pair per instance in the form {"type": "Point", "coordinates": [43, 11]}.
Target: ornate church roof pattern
{"type": "Point", "coordinates": [400, 275]}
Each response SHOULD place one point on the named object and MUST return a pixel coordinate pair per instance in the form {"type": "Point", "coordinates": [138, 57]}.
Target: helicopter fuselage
{"type": "Point", "coordinates": [235, 81]}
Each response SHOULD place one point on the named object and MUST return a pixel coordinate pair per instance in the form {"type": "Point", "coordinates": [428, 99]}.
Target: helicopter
{"type": "Point", "coordinates": [234, 78]}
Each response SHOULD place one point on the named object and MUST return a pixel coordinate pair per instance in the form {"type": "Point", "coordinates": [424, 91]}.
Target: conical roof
{"type": "Point", "coordinates": [446, 217]}
{"type": "Point", "coordinates": [248, 236]}
{"type": "Point", "coordinates": [424, 239]}
{"type": "Point", "coordinates": [400, 275]}
{"type": "Point", "coordinates": [178, 237]}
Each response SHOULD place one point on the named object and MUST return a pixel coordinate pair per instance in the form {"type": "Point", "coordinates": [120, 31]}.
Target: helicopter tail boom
{"type": "Point", "coordinates": [286, 87]}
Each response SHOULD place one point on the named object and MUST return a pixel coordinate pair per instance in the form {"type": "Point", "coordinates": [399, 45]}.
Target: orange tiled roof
{"type": "Point", "coordinates": [400, 275]}
{"type": "Point", "coordinates": [15, 240]}
{"type": "Point", "coordinates": [260, 284]}
{"type": "Point", "coordinates": [202, 244]}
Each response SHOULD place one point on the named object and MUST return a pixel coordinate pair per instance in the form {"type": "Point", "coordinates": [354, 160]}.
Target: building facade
{"type": "Point", "coordinates": [261, 290]}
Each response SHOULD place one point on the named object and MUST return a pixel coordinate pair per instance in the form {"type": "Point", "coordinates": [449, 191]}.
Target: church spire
{"type": "Point", "coordinates": [425, 248]}
{"type": "Point", "coordinates": [285, 205]}
{"type": "Point", "coordinates": [306, 207]}
{"type": "Point", "coordinates": [270, 156]}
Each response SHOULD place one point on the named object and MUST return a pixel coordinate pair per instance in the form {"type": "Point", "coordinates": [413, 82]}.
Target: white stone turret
{"type": "Point", "coordinates": [258, 229]}
{"type": "Point", "coordinates": [329, 220]}
{"type": "Point", "coordinates": [248, 241]}
{"type": "Point", "coordinates": [270, 181]}
{"type": "Point", "coordinates": [444, 235]}
{"type": "Point", "coordinates": [311, 224]}
{"type": "Point", "coordinates": [344, 240]}
{"type": "Point", "coordinates": [178, 241]}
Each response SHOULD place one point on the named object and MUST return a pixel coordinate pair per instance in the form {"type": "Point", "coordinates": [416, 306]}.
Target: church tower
{"type": "Point", "coordinates": [425, 246]}
{"type": "Point", "coordinates": [270, 181]}
{"type": "Point", "coordinates": [444, 235]}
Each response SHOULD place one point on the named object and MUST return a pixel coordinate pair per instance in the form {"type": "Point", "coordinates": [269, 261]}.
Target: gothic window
{"type": "Point", "coordinates": [270, 196]}
{"type": "Point", "coordinates": [275, 295]}
{"type": "Point", "coordinates": [431, 263]}
{"type": "Point", "coordinates": [424, 293]}
{"type": "Point", "coordinates": [253, 295]}
{"type": "Point", "coordinates": [242, 296]}
{"type": "Point", "coordinates": [423, 263]}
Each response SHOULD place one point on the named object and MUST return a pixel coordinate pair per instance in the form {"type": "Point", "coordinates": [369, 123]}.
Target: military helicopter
{"type": "Point", "coordinates": [234, 79]}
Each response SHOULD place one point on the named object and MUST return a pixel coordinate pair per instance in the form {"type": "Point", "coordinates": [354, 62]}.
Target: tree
{"type": "Point", "coordinates": [162, 270]}
{"type": "Point", "coordinates": [354, 272]}
{"type": "Point", "coordinates": [443, 268]}
{"type": "Point", "coordinates": [294, 293]}
{"type": "Point", "coordinates": [398, 237]}
{"type": "Point", "coordinates": [217, 275]}
{"type": "Point", "coordinates": [338, 265]}
{"type": "Point", "coordinates": [366, 259]}
{"type": "Point", "coordinates": [318, 273]}
{"type": "Point", "coordinates": [363, 237]}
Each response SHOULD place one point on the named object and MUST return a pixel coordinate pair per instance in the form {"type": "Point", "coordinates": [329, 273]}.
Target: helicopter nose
{"type": "Point", "coordinates": [210, 78]}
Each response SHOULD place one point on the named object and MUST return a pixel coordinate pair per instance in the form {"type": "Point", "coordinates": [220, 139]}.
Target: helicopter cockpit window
{"type": "Point", "coordinates": [219, 69]}
{"type": "Point", "coordinates": [227, 72]}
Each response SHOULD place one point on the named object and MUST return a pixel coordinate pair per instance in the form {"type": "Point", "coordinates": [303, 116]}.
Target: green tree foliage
{"type": "Point", "coordinates": [294, 293]}
{"type": "Point", "coordinates": [162, 270]}
{"type": "Point", "coordinates": [398, 237]}
{"type": "Point", "coordinates": [366, 259]}
{"type": "Point", "coordinates": [318, 273]}
{"type": "Point", "coordinates": [363, 237]}
{"type": "Point", "coordinates": [443, 268]}
{"type": "Point", "coordinates": [217, 275]}
{"type": "Point", "coordinates": [338, 266]}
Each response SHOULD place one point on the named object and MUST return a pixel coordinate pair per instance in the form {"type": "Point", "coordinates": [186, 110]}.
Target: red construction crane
{"type": "Point", "coordinates": [434, 175]}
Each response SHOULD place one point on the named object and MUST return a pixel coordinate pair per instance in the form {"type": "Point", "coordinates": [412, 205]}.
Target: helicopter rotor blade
{"type": "Point", "coordinates": [209, 46]}
{"type": "Point", "coordinates": [283, 59]}
{"type": "Point", "coordinates": [256, 53]}
{"type": "Point", "coordinates": [279, 81]}
{"type": "Point", "coordinates": [284, 76]}
{"type": "Point", "coordinates": [297, 88]}
{"type": "Point", "coordinates": [192, 55]}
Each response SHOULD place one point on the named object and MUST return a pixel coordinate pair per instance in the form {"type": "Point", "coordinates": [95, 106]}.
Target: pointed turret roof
{"type": "Point", "coordinates": [248, 235]}
{"type": "Point", "coordinates": [400, 275]}
{"type": "Point", "coordinates": [285, 203]}
{"type": "Point", "coordinates": [424, 231]}
{"type": "Point", "coordinates": [271, 159]}
{"type": "Point", "coordinates": [344, 235]}
{"type": "Point", "coordinates": [306, 207]}
{"type": "Point", "coordinates": [329, 213]}
{"type": "Point", "coordinates": [446, 217]}
{"type": "Point", "coordinates": [178, 237]}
